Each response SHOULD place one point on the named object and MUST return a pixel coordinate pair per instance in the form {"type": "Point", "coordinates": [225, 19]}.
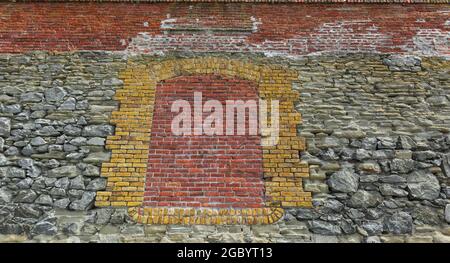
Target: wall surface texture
{"type": "Point", "coordinates": [86, 152]}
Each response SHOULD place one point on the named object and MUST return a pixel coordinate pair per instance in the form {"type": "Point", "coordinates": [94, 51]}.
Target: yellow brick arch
{"type": "Point", "coordinates": [126, 171]}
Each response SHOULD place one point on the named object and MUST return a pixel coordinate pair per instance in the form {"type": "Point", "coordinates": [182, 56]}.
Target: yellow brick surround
{"type": "Point", "coordinates": [126, 171]}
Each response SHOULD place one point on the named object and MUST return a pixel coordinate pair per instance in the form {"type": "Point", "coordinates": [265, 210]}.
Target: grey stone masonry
{"type": "Point", "coordinates": [377, 129]}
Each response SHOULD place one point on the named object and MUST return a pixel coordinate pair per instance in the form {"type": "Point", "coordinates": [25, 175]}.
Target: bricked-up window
{"type": "Point", "coordinates": [220, 180]}
{"type": "Point", "coordinates": [203, 170]}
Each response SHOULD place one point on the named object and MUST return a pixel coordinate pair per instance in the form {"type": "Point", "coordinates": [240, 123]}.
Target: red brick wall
{"type": "Point", "coordinates": [293, 29]}
{"type": "Point", "coordinates": [206, 171]}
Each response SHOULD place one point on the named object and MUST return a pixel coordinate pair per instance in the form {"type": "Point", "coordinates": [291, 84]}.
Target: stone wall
{"type": "Point", "coordinates": [377, 147]}
{"type": "Point", "coordinates": [364, 154]}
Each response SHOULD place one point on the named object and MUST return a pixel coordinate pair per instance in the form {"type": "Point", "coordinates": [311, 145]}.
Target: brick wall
{"type": "Point", "coordinates": [286, 29]}
{"type": "Point", "coordinates": [202, 170]}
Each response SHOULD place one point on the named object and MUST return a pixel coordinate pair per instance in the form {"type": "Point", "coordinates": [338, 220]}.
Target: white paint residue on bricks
{"type": "Point", "coordinates": [349, 36]}
{"type": "Point", "coordinates": [168, 23]}
{"type": "Point", "coordinates": [329, 38]}
{"type": "Point", "coordinates": [432, 42]}
{"type": "Point", "coordinates": [255, 24]}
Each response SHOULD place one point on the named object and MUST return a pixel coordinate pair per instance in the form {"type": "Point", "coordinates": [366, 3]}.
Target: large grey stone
{"type": "Point", "coordinates": [25, 196]}
{"type": "Point", "coordinates": [45, 228]}
{"type": "Point", "coordinates": [368, 143]}
{"type": "Point", "coordinates": [386, 143]}
{"type": "Point", "coordinates": [91, 170]}
{"type": "Point", "coordinates": [103, 215]}
{"type": "Point", "coordinates": [64, 171]}
{"type": "Point", "coordinates": [391, 190]}
{"type": "Point", "coordinates": [28, 211]}
{"type": "Point", "coordinates": [13, 109]}
{"type": "Point", "coordinates": [423, 185]}
{"type": "Point", "coordinates": [13, 172]}
{"type": "Point", "coordinates": [323, 227]}
{"type": "Point", "coordinates": [31, 97]}
{"type": "Point", "coordinates": [372, 227]}
{"type": "Point", "coordinates": [44, 200]}
{"type": "Point", "coordinates": [393, 179]}
{"type": "Point", "coordinates": [75, 156]}
{"type": "Point", "coordinates": [398, 223]}
{"type": "Point", "coordinates": [25, 163]}
{"type": "Point", "coordinates": [78, 141]}
{"type": "Point", "coordinates": [97, 157]}
{"type": "Point", "coordinates": [362, 154]}
{"type": "Point", "coordinates": [86, 201]}
{"type": "Point", "coordinates": [119, 216]}
{"type": "Point", "coordinates": [62, 183]}
{"type": "Point", "coordinates": [329, 142]}
{"type": "Point", "coordinates": [389, 154]}
{"type": "Point", "coordinates": [98, 130]}
{"type": "Point", "coordinates": [306, 214]}
{"type": "Point", "coordinates": [72, 130]}
{"type": "Point", "coordinates": [82, 121]}
{"type": "Point", "coordinates": [28, 165]}
{"type": "Point", "coordinates": [406, 143]}
{"type": "Point", "coordinates": [47, 131]}
{"type": "Point", "coordinates": [12, 151]}
{"type": "Point", "coordinates": [332, 205]}
{"type": "Point", "coordinates": [347, 154]}
{"type": "Point", "coordinates": [365, 199]}
{"type": "Point", "coordinates": [426, 215]}
{"type": "Point", "coordinates": [70, 148]}
{"type": "Point", "coordinates": [347, 226]}
{"type": "Point", "coordinates": [402, 166]}
{"type": "Point", "coordinates": [28, 150]}
{"type": "Point", "coordinates": [11, 229]}
{"type": "Point", "coordinates": [97, 141]}
{"type": "Point", "coordinates": [75, 194]}
{"type": "Point", "coordinates": [5, 127]}
{"type": "Point", "coordinates": [97, 184]}
{"type": "Point", "coordinates": [77, 183]}
{"type": "Point", "coordinates": [3, 160]}
{"type": "Point", "coordinates": [424, 155]}
{"type": "Point", "coordinates": [5, 196]}
{"type": "Point", "coordinates": [38, 141]}
{"type": "Point", "coordinates": [62, 203]}
{"type": "Point", "coordinates": [68, 104]}
{"type": "Point", "coordinates": [25, 183]}
{"type": "Point", "coordinates": [56, 94]}
{"type": "Point", "coordinates": [345, 181]}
